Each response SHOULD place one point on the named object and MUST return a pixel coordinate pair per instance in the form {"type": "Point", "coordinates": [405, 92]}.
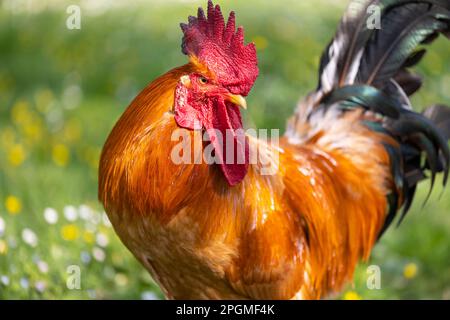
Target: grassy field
{"type": "Point", "coordinates": [62, 90]}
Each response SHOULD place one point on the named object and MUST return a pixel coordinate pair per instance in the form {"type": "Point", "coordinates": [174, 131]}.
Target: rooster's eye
{"type": "Point", "coordinates": [203, 80]}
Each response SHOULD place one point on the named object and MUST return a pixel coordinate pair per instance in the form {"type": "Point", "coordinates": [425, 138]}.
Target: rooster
{"type": "Point", "coordinates": [350, 159]}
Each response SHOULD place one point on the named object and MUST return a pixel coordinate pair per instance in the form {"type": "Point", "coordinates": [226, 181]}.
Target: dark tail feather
{"type": "Point", "coordinates": [359, 54]}
{"type": "Point", "coordinates": [369, 68]}
{"type": "Point", "coordinates": [393, 48]}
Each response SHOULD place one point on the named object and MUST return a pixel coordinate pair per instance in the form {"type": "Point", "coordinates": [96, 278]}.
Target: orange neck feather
{"type": "Point", "coordinates": [136, 155]}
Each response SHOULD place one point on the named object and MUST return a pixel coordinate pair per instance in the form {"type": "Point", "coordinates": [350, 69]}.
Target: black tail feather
{"type": "Point", "coordinates": [369, 68]}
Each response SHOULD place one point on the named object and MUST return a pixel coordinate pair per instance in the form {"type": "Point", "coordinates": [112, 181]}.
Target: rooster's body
{"type": "Point", "coordinates": [350, 159]}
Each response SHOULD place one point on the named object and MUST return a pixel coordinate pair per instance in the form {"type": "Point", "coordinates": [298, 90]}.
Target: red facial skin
{"type": "Point", "coordinates": [202, 105]}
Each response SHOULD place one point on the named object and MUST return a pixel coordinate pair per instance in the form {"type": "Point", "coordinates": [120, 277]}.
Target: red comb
{"type": "Point", "coordinates": [221, 48]}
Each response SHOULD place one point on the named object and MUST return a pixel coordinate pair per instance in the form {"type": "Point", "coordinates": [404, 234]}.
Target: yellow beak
{"type": "Point", "coordinates": [237, 100]}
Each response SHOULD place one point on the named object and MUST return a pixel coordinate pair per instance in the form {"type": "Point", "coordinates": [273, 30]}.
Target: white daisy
{"type": "Point", "coordinates": [42, 266]}
{"type": "Point", "coordinates": [24, 283]}
{"type": "Point", "coordinates": [29, 237]}
{"type": "Point", "coordinates": [98, 254]}
{"type": "Point", "coordinates": [85, 212]}
{"type": "Point", "coordinates": [4, 280]}
{"type": "Point", "coordinates": [40, 286]}
{"type": "Point", "coordinates": [85, 257]}
{"type": "Point", "coordinates": [148, 295]}
{"type": "Point", "coordinates": [102, 240]}
{"type": "Point", "coordinates": [51, 215]}
{"type": "Point", "coordinates": [2, 226]}
{"type": "Point", "coordinates": [70, 212]}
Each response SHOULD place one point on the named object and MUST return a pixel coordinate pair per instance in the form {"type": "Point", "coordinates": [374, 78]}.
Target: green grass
{"type": "Point", "coordinates": [61, 92]}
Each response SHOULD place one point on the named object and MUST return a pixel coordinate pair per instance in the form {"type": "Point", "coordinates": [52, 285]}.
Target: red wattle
{"type": "Point", "coordinates": [225, 117]}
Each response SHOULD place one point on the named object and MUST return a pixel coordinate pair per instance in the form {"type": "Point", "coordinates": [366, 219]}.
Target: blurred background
{"type": "Point", "coordinates": [62, 90]}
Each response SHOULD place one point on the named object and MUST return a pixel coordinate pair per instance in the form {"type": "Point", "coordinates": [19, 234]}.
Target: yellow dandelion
{"type": "Point", "coordinates": [16, 155]}
{"type": "Point", "coordinates": [43, 99]}
{"type": "Point", "coordinates": [410, 270]}
{"type": "Point", "coordinates": [61, 155]}
{"type": "Point", "coordinates": [121, 279]}
{"type": "Point", "coordinates": [13, 205]}
{"type": "Point", "coordinates": [33, 130]}
{"type": "Point", "coordinates": [352, 295]}
{"type": "Point", "coordinates": [20, 113]}
{"type": "Point", "coordinates": [3, 247]}
{"type": "Point", "coordinates": [70, 232]}
{"type": "Point", "coordinates": [72, 131]}
{"type": "Point", "coordinates": [260, 42]}
{"type": "Point", "coordinates": [88, 237]}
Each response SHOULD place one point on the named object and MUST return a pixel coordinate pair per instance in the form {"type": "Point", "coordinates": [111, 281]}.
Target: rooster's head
{"type": "Point", "coordinates": [209, 98]}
